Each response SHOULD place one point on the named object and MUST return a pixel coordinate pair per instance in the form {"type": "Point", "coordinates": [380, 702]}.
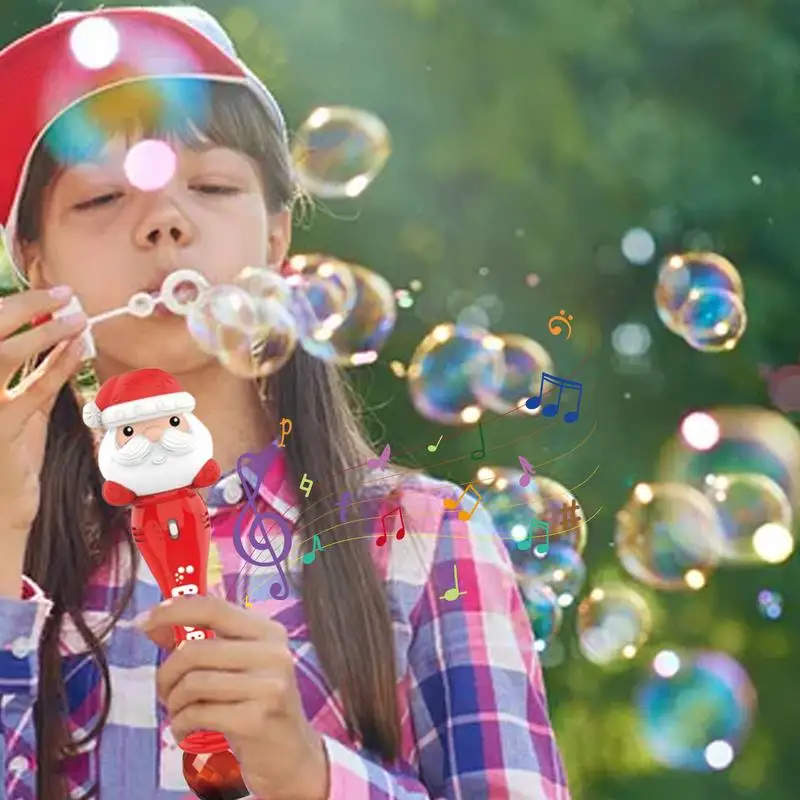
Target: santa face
{"type": "Point", "coordinates": [157, 455]}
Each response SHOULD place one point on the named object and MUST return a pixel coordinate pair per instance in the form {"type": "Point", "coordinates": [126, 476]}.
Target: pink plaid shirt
{"type": "Point", "coordinates": [472, 702]}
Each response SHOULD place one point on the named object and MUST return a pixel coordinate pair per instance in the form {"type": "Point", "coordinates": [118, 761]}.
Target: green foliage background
{"type": "Point", "coordinates": [528, 137]}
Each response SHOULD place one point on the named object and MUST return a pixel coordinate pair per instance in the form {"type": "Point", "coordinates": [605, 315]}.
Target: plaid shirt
{"type": "Point", "coordinates": [471, 697]}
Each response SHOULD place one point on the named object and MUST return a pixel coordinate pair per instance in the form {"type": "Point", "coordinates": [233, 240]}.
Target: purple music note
{"type": "Point", "coordinates": [527, 469]}
{"type": "Point", "coordinates": [259, 463]}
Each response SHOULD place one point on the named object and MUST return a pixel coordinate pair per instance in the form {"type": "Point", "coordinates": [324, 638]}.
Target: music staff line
{"type": "Point", "coordinates": [412, 534]}
{"type": "Point", "coordinates": [358, 502]}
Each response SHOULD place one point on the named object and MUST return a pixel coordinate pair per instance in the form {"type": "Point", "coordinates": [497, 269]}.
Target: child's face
{"type": "Point", "coordinates": [107, 240]}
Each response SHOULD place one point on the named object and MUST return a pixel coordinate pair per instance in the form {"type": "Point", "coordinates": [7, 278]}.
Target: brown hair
{"type": "Point", "coordinates": [74, 530]}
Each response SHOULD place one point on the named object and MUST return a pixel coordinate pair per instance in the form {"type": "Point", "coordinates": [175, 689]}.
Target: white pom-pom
{"type": "Point", "coordinates": [91, 416]}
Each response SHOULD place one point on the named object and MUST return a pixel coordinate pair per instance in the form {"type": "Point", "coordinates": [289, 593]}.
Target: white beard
{"type": "Point", "coordinates": [161, 469]}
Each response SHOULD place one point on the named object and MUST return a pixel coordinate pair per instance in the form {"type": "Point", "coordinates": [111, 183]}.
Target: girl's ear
{"type": "Point", "coordinates": [32, 265]}
{"type": "Point", "coordinates": [280, 237]}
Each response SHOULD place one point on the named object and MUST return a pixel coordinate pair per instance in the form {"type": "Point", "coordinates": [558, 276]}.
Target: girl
{"type": "Point", "coordinates": [364, 682]}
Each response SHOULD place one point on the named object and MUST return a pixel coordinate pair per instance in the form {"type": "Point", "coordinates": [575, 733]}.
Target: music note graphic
{"type": "Point", "coordinates": [259, 464]}
{"type": "Point", "coordinates": [453, 593]}
{"type": "Point", "coordinates": [540, 550]}
{"type": "Point", "coordinates": [551, 409]}
{"type": "Point", "coordinates": [433, 447]}
{"type": "Point", "coordinates": [308, 558]}
{"type": "Point", "coordinates": [382, 460]}
{"type": "Point", "coordinates": [476, 455]}
{"type": "Point", "coordinates": [453, 504]}
{"type": "Point", "coordinates": [527, 469]}
{"type": "Point", "coordinates": [381, 540]}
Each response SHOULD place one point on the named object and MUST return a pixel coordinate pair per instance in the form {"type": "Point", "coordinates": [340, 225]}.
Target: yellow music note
{"type": "Point", "coordinates": [247, 603]}
{"type": "Point", "coordinates": [453, 593]}
{"type": "Point", "coordinates": [453, 504]}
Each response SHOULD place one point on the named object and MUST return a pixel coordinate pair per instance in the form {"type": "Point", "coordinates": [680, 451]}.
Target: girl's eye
{"type": "Point", "coordinates": [97, 202]}
{"type": "Point", "coordinates": [214, 188]}
{"type": "Point", "coordinates": [174, 421]}
{"type": "Point", "coordinates": [127, 430]}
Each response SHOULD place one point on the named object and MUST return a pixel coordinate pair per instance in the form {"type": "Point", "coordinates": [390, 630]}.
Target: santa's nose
{"type": "Point", "coordinates": [153, 433]}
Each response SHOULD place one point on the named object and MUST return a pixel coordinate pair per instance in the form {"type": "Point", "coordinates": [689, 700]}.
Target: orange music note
{"type": "Point", "coordinates": [453, 504]}
{"type": "Point", "coordinates": [381, 541]}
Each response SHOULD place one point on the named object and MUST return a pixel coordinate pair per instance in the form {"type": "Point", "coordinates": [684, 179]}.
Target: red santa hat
{"type": "Point", "coordinates": [136, 397]}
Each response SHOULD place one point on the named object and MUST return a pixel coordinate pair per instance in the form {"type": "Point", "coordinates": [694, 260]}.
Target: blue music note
{"type": "Point", "coordinates": [259, 463]}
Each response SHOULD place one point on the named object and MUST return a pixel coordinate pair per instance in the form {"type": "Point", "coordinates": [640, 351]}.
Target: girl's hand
{"type": "Point", "coordinates": [242, 685]}
{"type": "Point", "coordinates": [25, 410]}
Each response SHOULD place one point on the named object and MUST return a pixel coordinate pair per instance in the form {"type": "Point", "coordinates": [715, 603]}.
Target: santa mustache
{"type": "Point", "coordinates": [139, 448]}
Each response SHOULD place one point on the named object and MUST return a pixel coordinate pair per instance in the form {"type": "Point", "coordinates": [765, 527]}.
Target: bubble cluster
{"type": "Point", "coordinates": [700, 296]}
{"type": "Point", "coordinates": [543, 610]}
{"type": "Point", "coordinates": [695, 710]}
{"type": "Point", "coordinates": [668, 536]}
{"type": "Point", "coordinates": [450, 366]}
{"type": "Point", "coordinates": [338, 151]}
{"type": "Point", "coordinates": [770, 604]}
{"type": "Point", "coordinates": [613, 623]}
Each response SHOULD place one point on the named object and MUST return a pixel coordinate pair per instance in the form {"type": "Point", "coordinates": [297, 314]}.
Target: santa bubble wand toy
{"type": "Point", "coordinates": [154, 455]}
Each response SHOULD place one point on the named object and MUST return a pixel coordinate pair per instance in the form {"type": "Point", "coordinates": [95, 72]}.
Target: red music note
{"type": "Point", "coordinates": [401, 531]}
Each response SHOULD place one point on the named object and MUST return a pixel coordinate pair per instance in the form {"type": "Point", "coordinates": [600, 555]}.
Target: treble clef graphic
{"type": "Point", "coordinates": [258, 463]}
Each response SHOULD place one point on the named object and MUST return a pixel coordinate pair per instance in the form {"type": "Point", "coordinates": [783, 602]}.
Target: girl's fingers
{"type": "Point", "coordinates": [16, 350]}
{"type": "Point", "coordinates": [20, 309]}
{"type": "Point", "coordinates": [212, 686]}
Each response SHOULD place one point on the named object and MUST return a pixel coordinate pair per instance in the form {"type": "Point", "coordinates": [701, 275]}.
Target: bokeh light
{"type": "Point", "coordinates": [770, 604]}
{"type": "Point", "coordinates": [700, 431]}
{"type": "Point", "coordinates": [94, 42]}
{"type": "Point", "coordinates": [150, 164]}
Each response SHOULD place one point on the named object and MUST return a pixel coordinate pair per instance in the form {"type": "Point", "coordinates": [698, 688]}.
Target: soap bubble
{"type": "Point", "coordinates": [562, 569]}
{"type": "Point", "coordinates": [704, 698]}
{"type": "Point", "coordinates": [264, 284]}
{"type": "Point", "coordinates": [510, 505]}
{"type": "Point", "coordinates": [338, 151]}
{"type": "Point", "coordinates": [666, 534]}
{"type": "Point", "coordinates": [680, 275]}
{"type": "Point", "coordinates": [567, 530]}
{"type": "Point", "coordinates": [525, 360]}
{"type": "Point", "coordinates": [613, 623]}
{"type": "Point", "coordinates": [713, 320]}
{"type": "Point", "coordinates": [751, 440]}
{"type": "Point", "coordinates": [543, 610]}
{"type": "Point", "coordinates": [770, 604]}
{"type": "Point", "coordinates": [364, 331]}
{"type": "Point", "coordinates": [323, 293]}
{"type": "Point", "coordinates": [447, 366]}
{"type": "Point", "coordinates": [250, 337]}
{"type": "Point", "coordinates": [745, 503]}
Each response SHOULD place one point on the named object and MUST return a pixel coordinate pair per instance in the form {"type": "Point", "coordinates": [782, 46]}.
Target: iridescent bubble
{"type": "Point", "coordinates": [567, 522]}
{"type": "Point", "coordinates": [613, 623]}
{"type": "Point", "coordinates": [338, 151]}
{"type": "Point", "coordinates": [263, 283]}
{"type": "Point", "coordinates": [250, 337]}
{"type": "Point", "coordinates": [770, 604]}
{"type": "Point", "coordinates": [150, 164]}
{"type": "Point", "coordinates": [447, 367]}
{"type": "Point", "coordinates": [323, 294]}
{"type": "Point", "coordinates": [364, 331]}
{"type": "Point", "coordinates": [745, 503]}
{"type": "Point", "coordinates": [750, 440]}
{"type": "Point", "coordinates": [668, 536]}
{"type": "Point", "coordinates": [713, 320]}
{"type": "Point", "coordinates": [524, 362]}
{"type": "Point", "coordinates": [543, 610]}
{"type": "Point", "coordinates": [680, 275]}
{"type": "Point", "coordinates": [703, 704]}
{"type": "Point", "coordinates": [562, 569]}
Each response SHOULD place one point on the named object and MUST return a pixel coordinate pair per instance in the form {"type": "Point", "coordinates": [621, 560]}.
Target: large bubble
{"type": "Point", "coordinates": [748, 440]}
{"type": "Point", "coordinates": [563, 513]}
{"type": "Point", "coordinates": [680, 275]}
{"type": "Point", "coordinates": [695, 710]}
{"type": "Point", "coordinates": [713, 320]}
{"type": "Point", "coordinates": [364, 331]}
{"type": "Point", "coordinates": [543, 610]}
{"type": "Point", "coordinates": [562, 569]}
{"type": "Point", "coordinates": [338, 151]}
{"type": "Point", "coordinates": [447, 367]}
{"type": "Point", "coordinates": [613, 623]}
{"type": "Point", "coordinates": [754, 513]}
{"type": "Point", "coordinates": [524, 362]}
{"type": "Point", "coordinates": [668, 536]}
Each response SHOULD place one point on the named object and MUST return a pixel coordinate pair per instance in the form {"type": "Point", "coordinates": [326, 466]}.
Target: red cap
{"type": "Point", "coordinates": [42, 76]}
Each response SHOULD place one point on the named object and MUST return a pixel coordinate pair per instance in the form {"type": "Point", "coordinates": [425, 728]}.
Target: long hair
{"type": "Point", "coordinates": [75, 530]}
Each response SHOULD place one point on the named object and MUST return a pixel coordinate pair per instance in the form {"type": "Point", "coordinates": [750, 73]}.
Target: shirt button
{"type": "Point", "coordinates": [21, 647]}
{"type": "Point", "coordinates": [232, 491]}
{"type": "Point", "coordinates": [18, 764]}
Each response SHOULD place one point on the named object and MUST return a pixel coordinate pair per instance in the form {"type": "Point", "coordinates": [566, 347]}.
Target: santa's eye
{"type": "Point", "coordinates": [128, 430]}
{"type": "Point", "coordinates": [174, 421]}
